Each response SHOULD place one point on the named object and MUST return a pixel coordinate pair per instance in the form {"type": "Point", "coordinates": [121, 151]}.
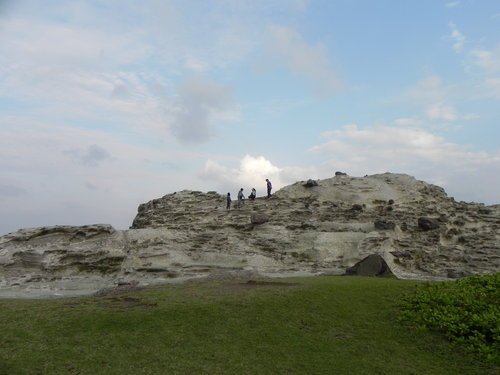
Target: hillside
{"type": "Point", "coordinates": [386, 223]}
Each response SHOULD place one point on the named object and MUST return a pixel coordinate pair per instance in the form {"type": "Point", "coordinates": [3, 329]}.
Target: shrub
{"type": "Point", "coordinates": [466, 311]}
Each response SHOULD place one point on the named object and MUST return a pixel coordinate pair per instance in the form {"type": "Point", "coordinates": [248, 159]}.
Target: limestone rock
{"type": "Point", "coordinates": [311, 183]}
{"type": "Point", "coordinates": [372, 265]}
{"type": "Point", "coordinates": [426, 223]}
{"type": "Point", "coordinates": [328, 229]}
{"type": "Point", "coordinates": [259, 219]}
{"type": "Point", "coordinates": [384, 225]}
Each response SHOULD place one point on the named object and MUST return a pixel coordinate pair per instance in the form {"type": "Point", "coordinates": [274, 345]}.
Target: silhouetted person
{"type": "Point", "coordinates": [241, 198]}
{"type": "Point", "coordinates": [228, 200]}
{"type": "Point", "coordinates": [269, 188]}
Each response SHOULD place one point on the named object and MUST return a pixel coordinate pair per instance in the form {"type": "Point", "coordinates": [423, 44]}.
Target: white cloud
{"type": "Point", "coordinates": [452, 4]}
{"type": "Point", "coordinates": [106, 181]}
{"type": "Point", "coordinates": [457, 38]}
{"type": "Point", "coordinates": [252, 171]}
{"type": "Point", "coordinates": [92, 156]}
{"type": "Point", "coordinates": [382, 148]}
{"type": "Point", "coordinates": [289, 49]}
{"type": "Point", "coordinates": [493, 87]}
{"type": "Point", "coordinates": [441, 111]}
{"type": "Point", "coordinates": [57, 44]}
{"type": "Point", "coordinates": [200, 102]}
{"type": "Point", "coordinates": [407, 122]}
{"type": "Point", "coordinates": [9, 191]}
{"type": "Point", "coordinates": [437, 101]}
{"type": "Point", "coordinates": [196, 65]}
{"type": "Point", "coordinates": [488, 59]}
{"type": "Point", "coordinates": [488, 62]}
{"type": "Point", "coordinates": [428, 89]}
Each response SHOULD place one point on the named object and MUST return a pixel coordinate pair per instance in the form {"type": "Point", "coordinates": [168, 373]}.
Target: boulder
{"type": "Point", "coordinates": [384, 225]}
{"type": "Point", "coordinates": [372, 265]}
{"type": "Point", "coordinates": [311, 183]}
{"type": "Point", "coordinates": [258, 219]}
{"type": "Point", "coordinates": [426, 223]}
{"type": "Point", "coordinates": [340, 173]}
{"type": "Point", "coordinates": [457, 274]}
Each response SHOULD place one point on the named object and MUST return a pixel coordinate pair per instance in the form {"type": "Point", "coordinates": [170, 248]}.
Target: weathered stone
{"type": "Point", "coordinates": [326, 229]}
{"type": "Point", "coordinates": [259, 219]}
{"type": "Point", "coordinates": [457, 274]}
{"type": "Point", "coordinates": [311, 183]}
{"type": "Point", "coordinates": [338, 173]}
{"type": "Point", "coordinates": [384, 225]}
{"type": "Point", "coordinates": [372, 265]}
{"type": "Point", "coordinates": [426, 223]}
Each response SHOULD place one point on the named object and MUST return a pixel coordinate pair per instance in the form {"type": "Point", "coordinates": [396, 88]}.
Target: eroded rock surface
{"type": "Point", "coordinates": [303, 228]}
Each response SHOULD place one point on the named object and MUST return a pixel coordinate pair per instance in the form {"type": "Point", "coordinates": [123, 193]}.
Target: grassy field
{"type": "Point", "coordinates": [321, 325]}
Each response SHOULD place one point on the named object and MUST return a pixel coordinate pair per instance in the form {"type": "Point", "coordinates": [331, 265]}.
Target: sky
{"type": "Point", "coordinates": [108, 104]}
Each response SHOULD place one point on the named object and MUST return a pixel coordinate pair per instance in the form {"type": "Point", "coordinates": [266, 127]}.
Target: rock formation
{"type": "Point", "coordinates": [380, 224]}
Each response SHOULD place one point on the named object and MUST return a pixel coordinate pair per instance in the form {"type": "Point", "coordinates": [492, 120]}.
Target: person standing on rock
{"type": "Point", "coordinates": [228, 200]}
{"type": "Point", "coordinates": [269, 188]}
{"type": "Point", "coordinates": [241, 197]}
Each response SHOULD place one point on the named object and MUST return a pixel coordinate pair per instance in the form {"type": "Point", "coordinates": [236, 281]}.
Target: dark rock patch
{"type": "Point", "coordinates": [258, 219]}
{"type": "Point", "coordinates": [426, 223]}
{"type": "Point", "coordinates": [311, 183]}
{"type": "Point", "coordinates": [372, 265]}
{"type": "Point", "coordinates": [384, 225]}
{"type": "Point", "coordinates": [457, 274]}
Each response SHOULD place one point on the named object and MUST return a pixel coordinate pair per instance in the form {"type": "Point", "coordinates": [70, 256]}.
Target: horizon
{"type": "Point", "coordinates": [105, 105]}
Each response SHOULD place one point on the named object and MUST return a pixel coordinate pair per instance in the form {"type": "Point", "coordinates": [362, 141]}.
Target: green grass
{"type": "Point", "coordinates": [322, 325]}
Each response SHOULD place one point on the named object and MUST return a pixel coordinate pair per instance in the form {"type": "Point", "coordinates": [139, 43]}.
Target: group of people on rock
{"type": "Point", "coordinates": [252, 196]}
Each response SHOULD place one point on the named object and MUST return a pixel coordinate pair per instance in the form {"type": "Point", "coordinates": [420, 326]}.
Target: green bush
{"type": "Point", "coordinates": [466, 311]}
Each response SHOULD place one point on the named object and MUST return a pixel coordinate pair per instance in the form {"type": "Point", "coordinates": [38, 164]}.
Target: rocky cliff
{"type": "Point", "coordinates": [387, 223]}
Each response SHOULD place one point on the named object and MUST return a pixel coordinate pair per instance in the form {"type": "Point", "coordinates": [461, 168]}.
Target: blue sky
{"type": "Point", "coordinates": [107, 104]}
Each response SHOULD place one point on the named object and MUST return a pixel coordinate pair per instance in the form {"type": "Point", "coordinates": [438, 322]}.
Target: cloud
{"type": "Point", "coordinates": [92, 156]}
{"type": "Point", "coordinates": [437, 102]}
{"type": "Point", "coordinates": [199, 103]}
{"type": "Point", "coordinates": [489, 60]}
{"type": "Point", "coordinates": [452, 4]}
{"type": "Point", "coordinates": [134, 172]}
{"type": "Point", "coordinates": [441, 111]}
{"type": "Point", "coordinates": [457, 38]}
{"type": "Point", "coordinates": [493, 87]}
{"type": "Point", "coordinates": [60, 44]}
{"type": "Point", "coordinates": [288, 48]}
{"type": "Point", "coordinates": [252, 171]}
{"type": "Point", "coordinates": [428, 89]}
{"type": "Point", "coordinates": [381, 148]}
{"type": "Point", "coordinates": [8, 191]}
{"type": "Point", "coordinates": [407, 122]}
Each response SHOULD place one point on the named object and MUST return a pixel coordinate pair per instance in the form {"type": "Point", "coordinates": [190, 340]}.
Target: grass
{"type": "Point", "coordinates": [322, 325]}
